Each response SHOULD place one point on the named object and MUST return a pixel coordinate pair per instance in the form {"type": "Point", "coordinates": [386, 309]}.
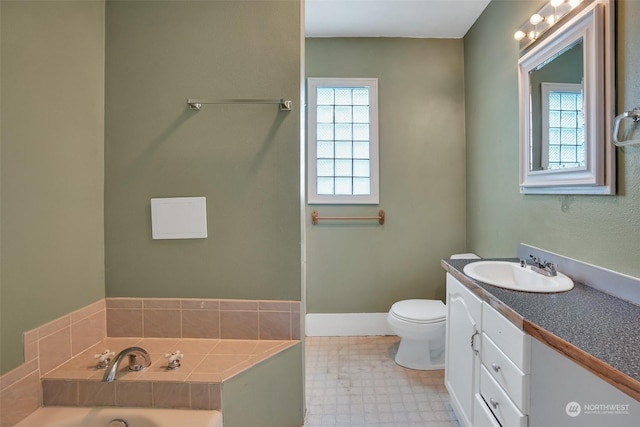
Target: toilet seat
{"type": "Point", "coordinates": [421, 311]}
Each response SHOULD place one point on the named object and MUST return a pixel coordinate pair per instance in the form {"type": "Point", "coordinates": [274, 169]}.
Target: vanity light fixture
{"type": "Point", "coordinates": [536, 18]}
{"type": "Point", "coordinates": [544, 19]}
{"type": "Point", "coordinates": [519, 35]}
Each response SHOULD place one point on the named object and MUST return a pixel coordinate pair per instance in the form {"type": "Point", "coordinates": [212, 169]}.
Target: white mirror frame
{"type": "Point", "coordinates": [594, 25]}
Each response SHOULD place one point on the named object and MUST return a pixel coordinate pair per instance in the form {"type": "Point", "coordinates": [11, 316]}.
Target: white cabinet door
{"type": "Point", "coordinates": [462, 363]}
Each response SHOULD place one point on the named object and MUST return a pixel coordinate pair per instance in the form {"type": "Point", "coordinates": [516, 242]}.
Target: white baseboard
{"type": "Point", "coordinates": [346, 324]}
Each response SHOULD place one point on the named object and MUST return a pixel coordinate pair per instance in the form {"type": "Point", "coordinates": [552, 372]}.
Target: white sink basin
{"type": "Point", "coordinates": [511, 275]}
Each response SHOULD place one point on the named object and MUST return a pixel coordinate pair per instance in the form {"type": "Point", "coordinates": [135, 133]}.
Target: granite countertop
{"type": "Point", "coordinates": [598, 331]}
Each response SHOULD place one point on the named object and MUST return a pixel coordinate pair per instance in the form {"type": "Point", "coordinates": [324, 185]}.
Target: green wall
{"type": "Point", "coordinates": [603, 230]}
{"type": "Point", "coordinates": [94, 123]}
{"type": "Point", "coordinates": [52, 134]}
{"type": "Point", "coordinates": [267, 395]}
{"type": "Point", "coordinates": [364, 267]}
{"type": "Point", "coordinates": [244, 159]}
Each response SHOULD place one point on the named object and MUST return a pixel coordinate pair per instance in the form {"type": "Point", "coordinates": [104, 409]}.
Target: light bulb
{"type": "Point", "coordinates": [574, 3]}
{"type": "Point", "coordinates": [556, 3]}
{"type": "Point", "coordinates": [536, 19]}
{"type": "Point", "coordinates": [532, 35]}
{"type": "Point", "coordinates": [519, 35]}
{"type": "Point", "coordinates": [551, 19]}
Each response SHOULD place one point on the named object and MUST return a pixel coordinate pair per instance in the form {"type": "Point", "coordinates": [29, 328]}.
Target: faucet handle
{"type": "Point", "coordinates": [104, 358]}
{"type": "Point", "coordinates": [553, 268]}
{"type": "Point", "coordinates": [173, 359]}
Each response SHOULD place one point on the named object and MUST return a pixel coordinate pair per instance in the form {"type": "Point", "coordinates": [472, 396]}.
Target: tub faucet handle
{"type": "Point", "coordinates": [173, 359]}
{"type": "Point", "coordinates": [104, 358]}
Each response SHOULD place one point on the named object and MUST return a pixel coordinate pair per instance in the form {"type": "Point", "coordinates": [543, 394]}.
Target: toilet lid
{"type": "Point", "coordinates": [420, 310]}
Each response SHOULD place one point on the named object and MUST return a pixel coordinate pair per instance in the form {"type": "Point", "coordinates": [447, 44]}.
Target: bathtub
{"type": "Point", "coordinates": [57, 416]}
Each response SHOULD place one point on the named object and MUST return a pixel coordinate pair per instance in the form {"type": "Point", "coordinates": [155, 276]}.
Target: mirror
{"type": "Point", "coordinates": [557, 117]}
{"type": "Point", "coordinates": [566, 107]}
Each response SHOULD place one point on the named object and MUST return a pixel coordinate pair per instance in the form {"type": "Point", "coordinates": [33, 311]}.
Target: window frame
{"type": "Point", "coordinates": [546, 89]}
{"type": "Point", "coordinates": [373, 198]}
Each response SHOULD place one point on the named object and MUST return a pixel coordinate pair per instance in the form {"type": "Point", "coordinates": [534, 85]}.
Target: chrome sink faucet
{"type": "Point", "coordinates": [138, 360]}
{"type": "Point", "coordinates": [543, 267]}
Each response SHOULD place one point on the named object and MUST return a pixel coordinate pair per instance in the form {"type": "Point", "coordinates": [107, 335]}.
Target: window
{"type": "Point", "coordinates": [562, 126]}
{"type": "Point", "coordinates": [343, 141]}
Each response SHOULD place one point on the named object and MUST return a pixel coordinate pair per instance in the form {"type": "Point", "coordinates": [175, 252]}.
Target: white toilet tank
{"type": "Point", "coordinates": [469, 255]}
{"type": "Point", "coordinates": [420, 324]}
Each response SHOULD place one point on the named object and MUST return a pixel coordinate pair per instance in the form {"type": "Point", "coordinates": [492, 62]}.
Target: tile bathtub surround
{"type": "Point", "coordinates": [61, 339]}
{"type": "Point", "coordinates": [196, 384]}
{"type": "Point", "coordinates": [158, 394]}
{"type": "Point", "coordinates": [203, 318]}
{"type": "Point", "coordinates": [45, 348]}
{"type": "Point", "coordinates": [20, 393]}
{"type": "Point", "coordinates": [55, 343]}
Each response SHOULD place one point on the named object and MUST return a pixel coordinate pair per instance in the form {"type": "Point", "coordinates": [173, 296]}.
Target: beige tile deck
{"type": "Point", "coordinates": [205, 360]}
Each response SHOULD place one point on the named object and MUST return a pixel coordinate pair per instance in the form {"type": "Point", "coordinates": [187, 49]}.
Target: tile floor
{"type": "Point", "coordinates": [353, 381]}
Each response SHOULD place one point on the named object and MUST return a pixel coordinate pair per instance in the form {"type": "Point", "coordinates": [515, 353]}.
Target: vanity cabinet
{"type": "Point", "coordinates": [499, 376]}
{"type": "Point", "coordinates": [462, 363]}
{"type": "Point", "coordinates": [487, 362]}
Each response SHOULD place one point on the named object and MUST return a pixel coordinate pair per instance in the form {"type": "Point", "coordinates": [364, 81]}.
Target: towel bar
{"type": "Point", "coordinates": [196, 104]}
{"type": "Point", "coordinates": [635, 116]}
{"type": "Point", "coordinates": [315, 217]}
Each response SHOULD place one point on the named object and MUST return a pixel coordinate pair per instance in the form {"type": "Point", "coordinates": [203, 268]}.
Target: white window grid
{"type": "Point", "coordinates": [343, 141]}
{"type": "Point", "coordinates": [562, 126]}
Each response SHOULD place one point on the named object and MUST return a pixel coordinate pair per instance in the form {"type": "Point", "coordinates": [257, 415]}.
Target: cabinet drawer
{"type": "Point", "coordinates": [500, 405]}
{"type": "Point", "coordinates": [482, 416]}
{"type": "Point", "coordinates": [513, 342]}
{"type": "Point", "coordinates": [514, 382]}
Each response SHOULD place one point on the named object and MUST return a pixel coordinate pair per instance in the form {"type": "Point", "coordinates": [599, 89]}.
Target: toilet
{"type": "Point", "coordinates": [421, 326]}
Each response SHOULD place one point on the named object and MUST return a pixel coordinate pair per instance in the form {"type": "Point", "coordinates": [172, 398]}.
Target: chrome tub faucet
{"type": "Point", "coordinates": [138, 360]}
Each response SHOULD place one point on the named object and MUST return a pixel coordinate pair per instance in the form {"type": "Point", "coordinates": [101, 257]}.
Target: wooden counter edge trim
{"type": "Point", "coordinates": [604, 371]}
